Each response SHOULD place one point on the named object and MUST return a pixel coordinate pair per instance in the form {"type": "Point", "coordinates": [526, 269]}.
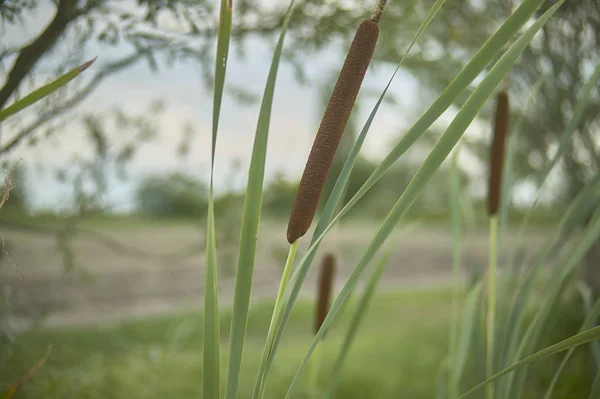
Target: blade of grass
{"type": "Point", "coordinates": [259, 388]}
{"type": "Point", "coordinates": [211, 380]}
{"type": "Point", "coordinates": [556, 286]}
{"type": "Point", "coordinates": [516, 316]}
{"type": "Point", "coordinates": [457, 233]}
{"type": "Point", "coordinates": [572, 342]}
{"type": "Point", "coordinates": [465, 342]}
{"type": "Point", "coordinates": [250, 220]}
{"type": "Point", "coordinates": [482, 58]}
{"type": "Point", "coordinates": [588, 323]}
{"type": "Point", "coordinates": [595, 391]}
{"type": "Point", "coordinates": [587, 296]}
{"type": "Point", "coordinates": [563, 145]}
{"type": "Point", "coordinates": [44, 91]}
{"type": "Point", "coordinates": [439, 153]}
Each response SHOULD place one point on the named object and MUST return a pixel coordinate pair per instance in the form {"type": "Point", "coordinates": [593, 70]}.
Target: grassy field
{"type": "Point", "coordinates": [396, 355]}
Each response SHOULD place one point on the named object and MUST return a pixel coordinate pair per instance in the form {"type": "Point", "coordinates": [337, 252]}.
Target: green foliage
{"type": "Point", "coordinates": [172, 195]}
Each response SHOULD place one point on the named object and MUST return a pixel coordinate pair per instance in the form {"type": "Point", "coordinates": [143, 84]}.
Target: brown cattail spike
{"type": "Point", "coordinates": [331, 129]}
{"type": "Point", "coordinates": [325, 284]}
{"type": "Point", "coordinates": [497, 152]}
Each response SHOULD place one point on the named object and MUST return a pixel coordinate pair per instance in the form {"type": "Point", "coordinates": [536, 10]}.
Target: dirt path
{"type": "Point", "coordinates": [119, 286]}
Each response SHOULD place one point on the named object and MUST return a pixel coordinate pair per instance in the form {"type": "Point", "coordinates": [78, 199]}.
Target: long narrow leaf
{"type": "Point", "coordinates": [439, 153]}
{"type": "Point", "coordinates": [457, 235]}
{"type": "Point", "coordinates": [589, 322]}
{"type": "Point", "coordinates": [464, 344]}
{"type": "Point", "coordinates": [557, 284]}
{"type": "Point", "coordinates": [573, 342]}
{"type": "Point", "coordinates": [44, 91]}
{"type": "Point", "coordinates": [250, 221]}
{"type": "Point", "coordinates": [595, 391]}
{"type": "Point", "coordinates": [211, 382]}
{"type": "Point", "coordinates": [563, 145]}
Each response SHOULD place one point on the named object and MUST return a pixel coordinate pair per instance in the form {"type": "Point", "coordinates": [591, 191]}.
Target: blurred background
{"type": "Point", "coordinates": [103, 232]}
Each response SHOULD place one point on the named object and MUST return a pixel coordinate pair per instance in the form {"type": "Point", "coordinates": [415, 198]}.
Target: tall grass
{"type": "Point", "coordinates": [519, 345]}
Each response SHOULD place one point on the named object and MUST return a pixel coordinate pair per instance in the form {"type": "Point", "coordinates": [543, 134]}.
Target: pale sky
{"type": "Point", "coordinates": [295, 117]}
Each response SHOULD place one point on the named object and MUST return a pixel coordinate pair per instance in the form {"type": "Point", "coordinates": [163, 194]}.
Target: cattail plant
{"type": "Point", "coordinates": [333, 124]}
{"type": "Point", "coordinates": [497, 150]}
{"type": "Point", "coordinates": [324, 287]}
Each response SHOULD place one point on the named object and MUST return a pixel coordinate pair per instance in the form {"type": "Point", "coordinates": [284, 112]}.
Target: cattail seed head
{"type": "Point", "coordinates": [497, 150]}
{"type": "Point", "coordinates": [331, 129]}
{"type": "Point", "coordinates": [324, 289]}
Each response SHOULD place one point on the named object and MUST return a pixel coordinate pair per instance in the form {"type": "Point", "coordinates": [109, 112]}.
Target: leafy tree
{"type": "Point", "coordinates": [172, 195]}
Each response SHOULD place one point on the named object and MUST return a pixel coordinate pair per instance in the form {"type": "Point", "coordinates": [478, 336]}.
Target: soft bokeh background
{"type": "Point", "coordinates": [104, 233]}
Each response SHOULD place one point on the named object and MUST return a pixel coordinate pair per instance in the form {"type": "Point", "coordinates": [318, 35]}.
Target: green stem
{"type": "Point", "coordinates": [491, 311]}
{"type": "Point", "coordinates": [285, 277]}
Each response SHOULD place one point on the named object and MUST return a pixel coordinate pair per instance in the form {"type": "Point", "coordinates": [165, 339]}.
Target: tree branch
{"type": "Point", "coordinates": [32, 53]}
{"type": "Point", "coordinates": [76, 99]}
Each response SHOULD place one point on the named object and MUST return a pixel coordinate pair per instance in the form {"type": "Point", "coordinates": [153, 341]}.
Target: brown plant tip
{"type": "Point", "coordinates": [497, 151]}
{"type": "Point", "coordinates": [324, 289]}
{"type": "Point", "coordinates": [376, 16]}
{"type": "Point", "coordinates": [86, 65]}
{"type": "Point", "coordinates": [331, 129]}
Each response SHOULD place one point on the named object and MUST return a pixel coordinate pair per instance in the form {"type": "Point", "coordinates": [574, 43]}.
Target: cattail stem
{"type": "Point", "coordinates": [491, 303]}
{"type": "Point", "coordinates": [376, 16]}
{"type": "Point", "coordinates": [332, 127]}
{"type": "Point", "coordinates": [285, 278]}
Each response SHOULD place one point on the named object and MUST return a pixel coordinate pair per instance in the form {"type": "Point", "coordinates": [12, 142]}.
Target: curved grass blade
{"type": "Point", "coordinates": [563, 145]}
{"type": "Point", "coordinates": [588, 323]}
{"type": "Point", "coordinates": [211, 381]}
{"type": "Point", "coordinates": [464, 343]}
{"type": "Point", "coordinates": [557, 283]}
{"type": "Point", "coordinates": [457, 235]}
{"type": "Point", "coordinates": [517, 317]}
{"type": "Point", "coordinates": [44, 91]}
{"type": "Point", "coordinates": [250, 220]}
{"type": "Point", "coordinates": [223, 40]}
{"type": "Point", "coordinates": [573, 342]}
{"type": "Point", "coordinates": [437, 156]}
{"type": "Point", "coordinates": [587, 297]}
{"type": "Point", "coordinates": [595, 391]}
{"type": "Point", "coordinates": [324, 224]}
